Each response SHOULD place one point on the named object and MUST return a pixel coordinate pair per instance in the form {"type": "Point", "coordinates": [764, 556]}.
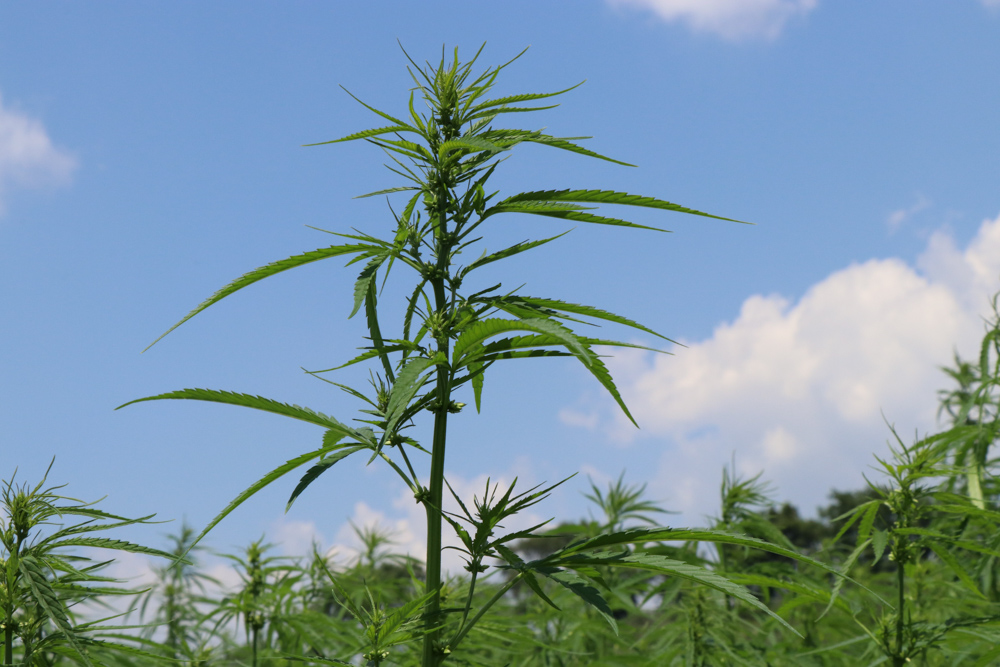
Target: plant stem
{"type": "Point", "coordinates": [433, 504]}
{"type": "Point", "coordinates": [8, 641]}
{"type": "Point", "coordinates": [899, 659]}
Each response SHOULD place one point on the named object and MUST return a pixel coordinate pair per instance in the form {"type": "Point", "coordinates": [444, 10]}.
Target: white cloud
{"type": "Point", "coordinates": [27, 157]}
{"type": "Point", "coordinates": [798, 389]}
{"type": "Point", "coordinates": [899, 216]}
{"type": "Point", "coordinates": [295, 538]}
{"type": "Point", "coordinates": [730, 19]}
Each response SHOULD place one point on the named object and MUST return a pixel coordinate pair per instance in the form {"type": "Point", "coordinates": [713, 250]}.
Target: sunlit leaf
{"type": "Point", "coordinates": [267, 271]}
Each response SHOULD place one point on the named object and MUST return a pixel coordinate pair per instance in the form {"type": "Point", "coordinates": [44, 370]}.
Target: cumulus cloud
{"type": "Point", "coordinates": [27, 157]}
{"type": "Point", "coordinates": [729, 19]}
{"type": "Point", "coordinates": [799, 389]}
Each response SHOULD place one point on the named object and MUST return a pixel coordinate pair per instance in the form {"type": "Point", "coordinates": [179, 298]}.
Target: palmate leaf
{"type": "Point", "coordinates": [478, 332]}
{"type": "Point", "coordinates": [267, 271]}
{"type": "Point", "coordinates": [589, 311]}
{"type": "Point", "coordinates": [257, 403]}
{"type": "Point", "coordinates": [659, 534]}
{"type": "Point", "coordinates": [518, 565]}
{"type": "Point", "coordinates": [55, 609]}
{"type": "Point", "coordinates": [605, 197]}
{"type": "Point", "coordinates": [409, 381]}
{"type": "Point", "coordinates": [514, 99]}
{"type": "Point", "coordinates": [469, 143]}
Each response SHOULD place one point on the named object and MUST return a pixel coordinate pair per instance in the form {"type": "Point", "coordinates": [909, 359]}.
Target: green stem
{"type": "Point", "coordinates": [8, 641]}
{"type": "Point", "coordinates": [8, 626]}
{"type": "Point", "coordinates": [468, 599]}
{"type": "Point", "coordinates": [899, 659]}
{"type": "Point", "coordinates": [433, 504]}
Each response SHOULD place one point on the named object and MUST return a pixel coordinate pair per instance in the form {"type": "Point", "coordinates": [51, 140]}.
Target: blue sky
{"type": "Point", "coordinates": [149, 154]}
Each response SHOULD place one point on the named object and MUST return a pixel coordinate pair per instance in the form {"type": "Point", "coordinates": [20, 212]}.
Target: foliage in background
{"type": "Point", "coordinates": [921, 545]}
{"type": "Point", "coordinates": [46, 582]}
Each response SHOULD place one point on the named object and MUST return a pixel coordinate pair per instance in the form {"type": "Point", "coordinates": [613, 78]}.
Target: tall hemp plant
{"type": "Point", "coordinates": [451, 331]}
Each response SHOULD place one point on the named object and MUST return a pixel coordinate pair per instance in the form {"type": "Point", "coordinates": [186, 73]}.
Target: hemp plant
{"type": "Point", "coordinates": [926, 522]}
{"type": "Point", "coordinates": [452, 330]}
{"type": "Point", "coordinates": [41, 582]}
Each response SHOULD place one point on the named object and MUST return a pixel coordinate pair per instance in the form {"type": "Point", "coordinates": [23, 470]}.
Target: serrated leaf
{"type": "Point", "coordinates": [955, 566]}
{"type": "Point", "coordinates": [513, 99]}
{"type": "Point", "coordinates": [845, 568]}
{"type": "Point", "coordinates": [107, 543]}
{"type": "Point", "coordinates": [478, 379]}
{"type": "Point", "coordinates": [365, 356]}
{"type": "Point", "coordinates": [603, 375]}
{"type": "Point", "coordinates": [477, 332]}
{"type": "Point", "coordinates": [314, 472]}
{"type": "Point", "coordinates": [389, 118]}
{"type": "Point", "coordinates": [880, 539]}
{"type": "Point", "coordinates": [575, 216]}
{"type": "Point", "coordinates": [407, 384]}
{"type": "Point", "coordinates": [589, 311]}
{"type": "Point", "coordinates": [364, 281]}
{"type": "Point", "coordinates": [493, 113]}
{"type": "Point", "coordinates": [527, 576]}
{"type": "Point", "coordinates": [607, 197]}
{"type": "Point", "coordinates": [264, 481]}
{"type": "Point", "coordinates": [867, 521]}
{"type": "Point", "coordinates": [46, 599]}
{"type": "Point", "coordinates": [515, 249]}
{"type": "Point", "coordinates": [470, 143]}
{"type": "Point", "coordinates": [364, 134]}
{"type": "Point", "coordinates": [584, 590]}
{"type": "Point", "coordinates": [266, 271]}
{"type": "Point", "coordinates": [852, 515]}
{"type": "Point", "coordinates": [256, 403]}
{"type": "Point", "coordinates": [387, 191]}
{"type": "Point", "coordinates": [643, 535]}
{"type": "Point", "coordinates": [803, 588]}
{"type": "Point", "coordinates": [566, 145]}
{"type": "Point", "coordinates": [675, 568]}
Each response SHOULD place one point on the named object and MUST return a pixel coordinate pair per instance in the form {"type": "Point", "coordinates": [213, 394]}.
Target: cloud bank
{"type": "Point", "coordinates": [798, 389]}
{"type": "Point", "coordinates": [27, 157]}
{"type": "Point", "coordinates": [733, 20]}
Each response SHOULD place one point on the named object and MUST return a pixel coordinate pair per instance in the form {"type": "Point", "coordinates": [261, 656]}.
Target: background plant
{"type": "Point", "coordinates": [46, 581]}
